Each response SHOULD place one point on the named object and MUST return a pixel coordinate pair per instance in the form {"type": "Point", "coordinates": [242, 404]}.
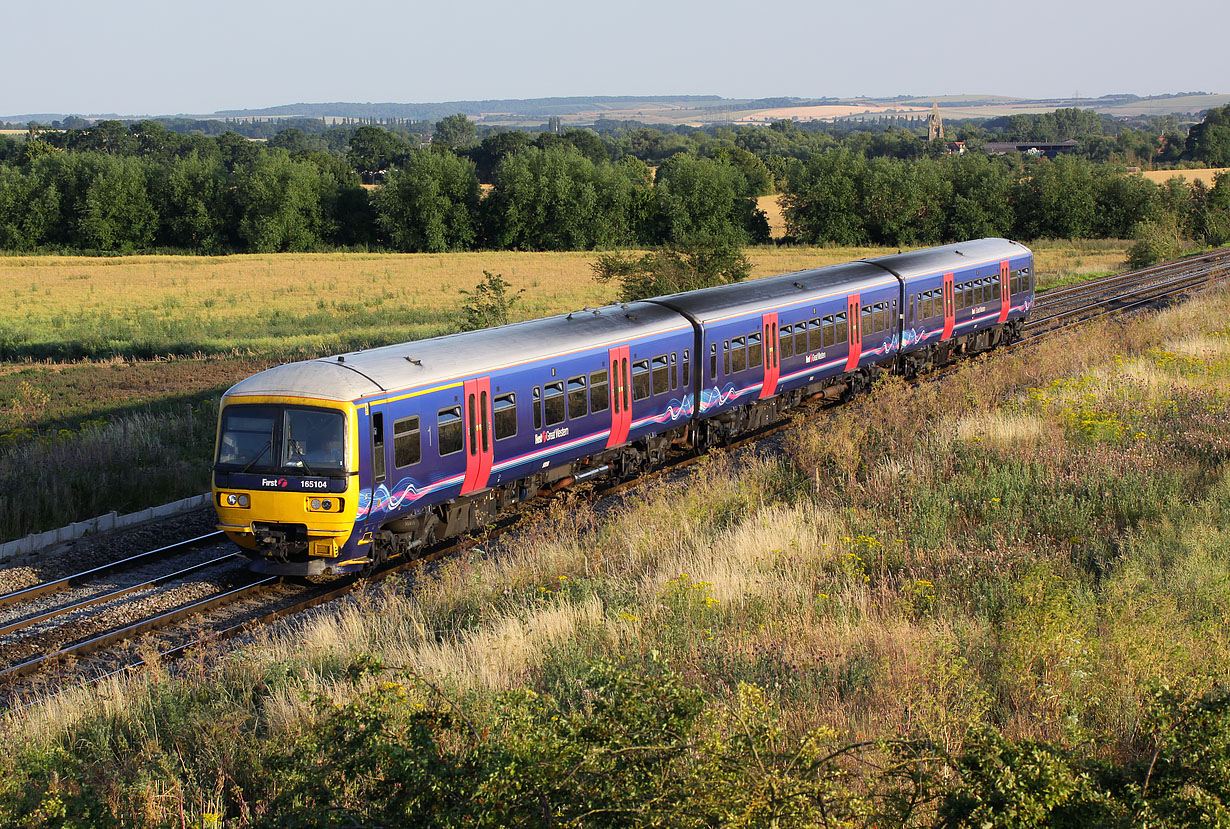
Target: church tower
{"type": "Point", "coordinates": [935, 124]}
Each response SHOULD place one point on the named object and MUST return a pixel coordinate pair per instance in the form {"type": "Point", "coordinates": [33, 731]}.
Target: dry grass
{"type": "Point", "coordinates": [1205, 175]}
{"type": "Point", "coordinates": [772, 208]}
{"type": "Point", "coordinates": [44, 288]}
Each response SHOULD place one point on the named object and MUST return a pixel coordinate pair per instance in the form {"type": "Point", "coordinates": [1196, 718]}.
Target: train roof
{"type": "Point", "coordinates": [760, 295]}
{"type": "Point", "coordinates": [947, 258]}
{"type": "Point", "coordinates": [447, 359]}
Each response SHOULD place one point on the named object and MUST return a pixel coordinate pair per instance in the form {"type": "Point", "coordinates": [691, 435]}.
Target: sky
{"type": "Point", "coordinates": [141, 57]}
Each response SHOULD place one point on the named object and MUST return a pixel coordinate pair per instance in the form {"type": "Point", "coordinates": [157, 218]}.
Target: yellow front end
{"type": "Point", "coordinates": [255, 501]}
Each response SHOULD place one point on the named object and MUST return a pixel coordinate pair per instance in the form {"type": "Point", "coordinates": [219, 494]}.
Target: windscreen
{"type": "Point", "coordinates": [283, 439]}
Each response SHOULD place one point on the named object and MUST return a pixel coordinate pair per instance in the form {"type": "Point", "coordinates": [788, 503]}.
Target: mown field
{"type": "Point", "coordinates": [112, 366]}
{"type": "Point", "coordinates": [996, 600]}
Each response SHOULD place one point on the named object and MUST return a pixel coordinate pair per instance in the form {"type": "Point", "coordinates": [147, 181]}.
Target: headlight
{"type": "Point", "coordinates": [315, 503]}
{"type": "Point", "coordinates": [326, 504]}
{"type": "Point", "coordinates": [234, 499]}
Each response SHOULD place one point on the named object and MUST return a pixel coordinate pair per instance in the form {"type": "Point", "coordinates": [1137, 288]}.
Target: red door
{"type": "Point", "coordinates": [856, 336]}
{"type": "Point", "coordinates": [1005, 295]}
{"type": "Point", "coordinates": [950, 311]}
{"type": "Point", "coordinates": [621, 396]}
{"type": "Point", "coordinates": [476, 414]}
{"type": "Point", "coordinates": [772, 359]}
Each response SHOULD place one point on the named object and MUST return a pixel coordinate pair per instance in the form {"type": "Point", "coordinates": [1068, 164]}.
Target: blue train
{"type": "Point", "coordinates": [333, 465]}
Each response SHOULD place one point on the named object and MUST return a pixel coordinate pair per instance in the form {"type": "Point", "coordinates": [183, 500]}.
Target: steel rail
{"type": "Point", "coordinates": [146, 625]}
{"type": "Point", "coordinates": [29, 621]}
{"type": "Point", "coordinates": [1093, 285]}
{"type": "Point", "coordinates": [60, 585]}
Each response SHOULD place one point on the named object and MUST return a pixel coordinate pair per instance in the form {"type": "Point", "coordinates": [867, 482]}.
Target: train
{"type": "Point", "coordinates": [332, 466]}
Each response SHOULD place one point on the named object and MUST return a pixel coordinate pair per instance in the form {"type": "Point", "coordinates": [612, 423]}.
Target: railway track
{"type": "Point", "coordinates": [1063, 307]}
{"type": "Point", "coordinates": [263, 601]}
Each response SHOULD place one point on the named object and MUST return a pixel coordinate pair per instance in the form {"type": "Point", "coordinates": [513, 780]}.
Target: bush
{"type": "Point", "coordinates": [672, 270]}
{"type": "Point", "coordinates": [489, 304]}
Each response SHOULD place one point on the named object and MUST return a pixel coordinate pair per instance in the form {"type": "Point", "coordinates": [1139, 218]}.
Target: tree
{"type": "Point", "coordinates": [277, 204]}
{"type": "Point", "coordinates": [430, 204]}
{"type": "Point", "coordinates": [1209, 141]}
{"type": "Point", "coordinates": [823, 199]}
{"type": "Point", "coordinates": [1121, 202]}
{"type": "Point", "coordinates": [701, 200]}
{"type": "Point", "coordinates": [1056, 200]}
{"type": "Point", "coordinates": [556, 199]}
{"type": "Point", "coordinates": [454, 132]}
{"type": "Point", "coordinates": [190, 200]}
{"type": "Point", "coordinates": [115, 213]}
{"type": "Point", "coordinates": [489, 304]}
{"type": "Point", "coordinates": [373, 150]}
{"type": "Point", "coordinates": [672, 270]}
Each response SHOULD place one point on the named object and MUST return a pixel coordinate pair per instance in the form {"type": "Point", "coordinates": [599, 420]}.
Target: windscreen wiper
{"type": "Point", "coordinates": [259, 455]}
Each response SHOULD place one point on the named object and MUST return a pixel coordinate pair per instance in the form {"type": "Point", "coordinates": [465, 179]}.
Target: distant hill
{"type": "Point", "coordinates": [533, 107]}
{"type": "Point", "coordinates": [693, 110]}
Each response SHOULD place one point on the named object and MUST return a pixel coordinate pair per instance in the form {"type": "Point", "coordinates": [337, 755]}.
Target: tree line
{"type": "Point", "coordinates": [142, 187]}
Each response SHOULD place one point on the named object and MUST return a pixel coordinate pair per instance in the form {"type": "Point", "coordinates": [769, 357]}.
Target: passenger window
{"type": "Point", "coordinates": [674, 372]}
{"type": "Point", "coordinates": [738, 354]}
{"type": "Point", "coordinates": [686, 367]}
{"type": "Point", "coordinates": [661, 375]}
{"type": "Point", "coordinates": [753, 351]}
{"type": "Point", "coordinates": [839, 329]}
{"type": "Point", "coordinates": [969, 294]}
{"type": "Point", "coordinates": [877, 317]}
{"type": "Point", "coordinates": [640, 380]}
{"type": "Point", "coordinates": [577, 402]}
{"type": "Point", "coordinates": [958, 297]}
{"type": "Point", "coordinates": [553, 403]}
{"type": "Point", "coordinates": [406, 448]}
{"type": "Point", "coordinates": [599, 392]}
{"type": "Point", "coordinates": [785, 348]}
{"type": "Point", "coordinates": [448, 427]}
{"type": "Point", "coordinates": [505, 415]}
{"type": "Point", "coordinates": [537, 408]}
{"type": "Point", "coordinates": [814, 335]}
{"type": "Point", "coordinates": [829, 339]}
{"type": "Point", "coordinates": [725, 358]}
{"type": "Point", "coordinates": [713, 361]}
{"type": "Point", "coordinates": [865, 322]}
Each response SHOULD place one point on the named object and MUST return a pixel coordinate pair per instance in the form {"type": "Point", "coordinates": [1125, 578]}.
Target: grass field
{"type": "Point", "coordinates": [999, 594]}
{"type": "Point", "coordinates": [1205, 175]}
